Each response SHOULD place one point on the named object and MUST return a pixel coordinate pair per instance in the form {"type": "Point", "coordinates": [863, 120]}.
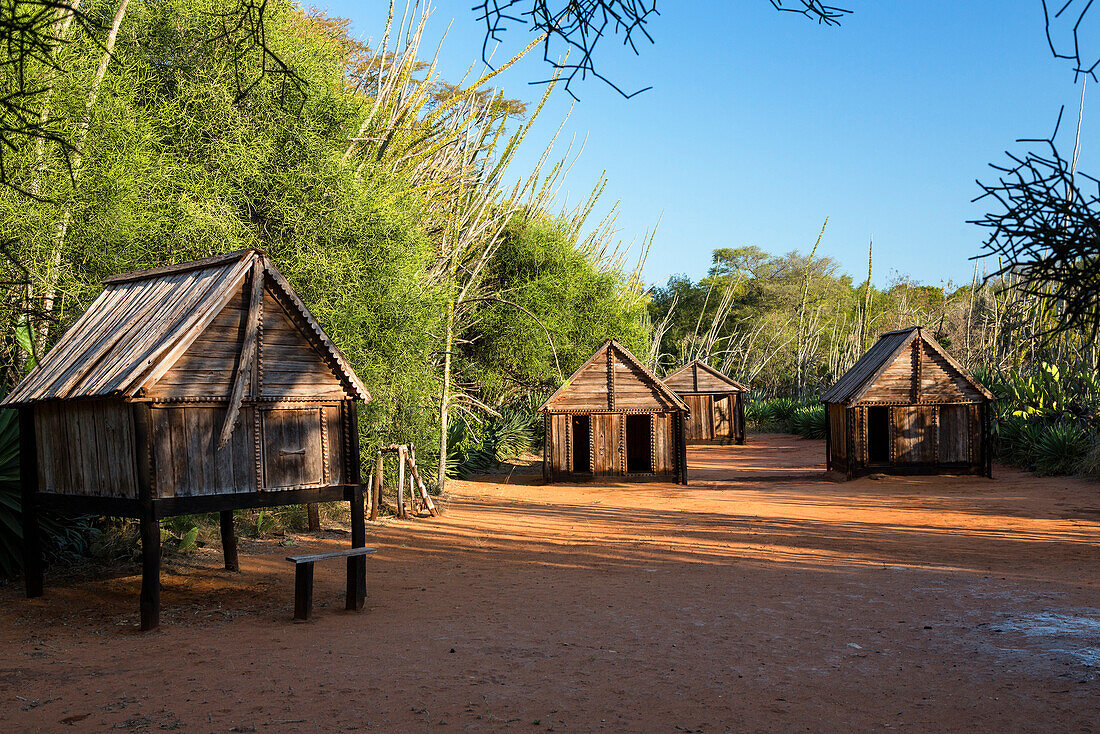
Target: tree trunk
{"type": "Point", "coordinates": [77, 162]}
{"type": "Point", "coordinates": [444, 401]}
{"type": "Point", "coordinates": [60, 29]}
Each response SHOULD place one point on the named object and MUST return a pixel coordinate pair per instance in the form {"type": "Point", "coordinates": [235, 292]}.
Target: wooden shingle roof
{"type": "Point", "coordinates": [854, 383]}
{"type": "Point", "coordinates": [143, 321]}
{"type": "Point", "coordinates": [698, 376]}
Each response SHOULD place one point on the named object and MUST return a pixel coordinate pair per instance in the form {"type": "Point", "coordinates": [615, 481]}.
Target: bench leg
{"type": "Point", "coordinates": [303, 590]}
{"type": "Point", "coordinates": [357, 566]}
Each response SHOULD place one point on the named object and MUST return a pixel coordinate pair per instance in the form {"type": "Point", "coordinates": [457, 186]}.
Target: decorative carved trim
{"type": "Point", "coordinates": [324, 447]}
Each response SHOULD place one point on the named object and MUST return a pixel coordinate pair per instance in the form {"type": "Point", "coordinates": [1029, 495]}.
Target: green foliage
{"type": "Point", "coordinates": [477, 445]}
{"type": "Point", "coordinates": [553, 289]}
{"type": "Point", "coordinates": [1060, 448]}
{"type": "Point", "coordinates": [1047, 417]}
{"type": "Point", "coordinates": [805, 416]}
{"type": "Point", "coordinates": [262, 523]}
{"type": "Point", "coordinates": [809, 421]}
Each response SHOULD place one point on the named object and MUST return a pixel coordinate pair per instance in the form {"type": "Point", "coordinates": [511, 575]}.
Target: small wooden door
{"type": "Point", "coordinates": [723, 417]}
{"type": "Point", "coordinates": [293, 455]}
{"type": "Point", "coordinates": [914, 435]}
{"type": "Point", "coordinates": [700, 425]}
{"type": "Point", "coordinates": [954, 434]}
{"type": "Point", "coordinates": [605, 440]}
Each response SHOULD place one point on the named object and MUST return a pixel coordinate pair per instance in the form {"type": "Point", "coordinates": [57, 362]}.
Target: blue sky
{"type": "Point", "coordinates": [761, 124]}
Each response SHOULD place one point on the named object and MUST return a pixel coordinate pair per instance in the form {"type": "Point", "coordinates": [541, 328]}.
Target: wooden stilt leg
{"type": "Point", "coordinates": [313, 517]}
{"type": "Point", "coordinates": [357, 565]}
{"type": "Point", "coordinates": [150, 572]}
{"type": "Point", "coordinates": [229, 542]}
{"type": "Point", "coordinates": [28, 479]}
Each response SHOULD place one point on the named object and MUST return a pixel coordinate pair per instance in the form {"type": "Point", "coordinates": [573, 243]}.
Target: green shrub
{"type": "Point", "coordinates": [804, 416]}
{"type": "Point", "coordinates": [1061, 448]}
{"type": "Point", "coordinates": [475, 445]}
{"type": "Point", "coordinates": [810, 422]}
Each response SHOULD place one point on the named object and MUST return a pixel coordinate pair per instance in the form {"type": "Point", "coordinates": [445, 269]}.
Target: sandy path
{"type": "Point", "coordinates": [759, 598]}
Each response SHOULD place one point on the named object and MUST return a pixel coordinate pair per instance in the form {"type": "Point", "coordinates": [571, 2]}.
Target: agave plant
{"type": "Point", "coordinates": [809, 421]}
{"type": "Point", "coordinates": [1060, 448]}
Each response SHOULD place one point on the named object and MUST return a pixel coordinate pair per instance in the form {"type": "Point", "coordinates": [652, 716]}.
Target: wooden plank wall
{"type": "Point", "coordinates": [587, 390]}
{"type": "Point", "coordinates": [954, 434]}
{"type": "Point", "coordinates": [914, 434]}
{"type": "Point", "coordinates": [335, 453]}
{"type": "Point", "coordinates": [700, 424]}
{"type": "Point", "coordinates": [561, 429]}
{"type": "Point", "coordinates": [207, 368]}
{"type": "Point", "coordinates": [858, 429]}
{"type": "Point", "coordinates": [633, 389]}
{"type": "Point", "coordinates": [290, 365]}
{"type": "Point", "coordinates": [664, 447]}
{"type": "Point", "coordinates": [187, 460]}
{"type": "Point", "coordinates": [607, 436]}
{"type": "Point", "coordinates": [837, 432]}
{"type": "Point", "coordinates": [895, 384]}
{"type": "Point", "coordinates": [940, 382]}
{"type": "Point", "coordinates": [293, 447]}
{"type": "Point", "coordinates": [86, 447]}
{"type": "Point", "coordinates": [606, 442]}
{"type": "Point", "coordinates": [706, 382]}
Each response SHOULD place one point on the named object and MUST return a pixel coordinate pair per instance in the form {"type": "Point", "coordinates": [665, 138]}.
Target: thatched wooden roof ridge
{"type": "Point", "coordinates": [854, 383]}
{"type": "Point", "coordinates": [660, 391]}
{"type": "Point", "coordinates": [143, 321]}
{"type": "Point", "coordinates": [697, 376]}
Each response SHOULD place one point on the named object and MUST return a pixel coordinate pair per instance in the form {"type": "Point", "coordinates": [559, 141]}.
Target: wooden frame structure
{"type": "Point", "coordinates": [201, 387]}
{"type": "Point", "coordinates": [614, 418]}
{"type": "Point", "coordinates": [717, 403]}
{"type": "Point", "coordinates": [908, 407]}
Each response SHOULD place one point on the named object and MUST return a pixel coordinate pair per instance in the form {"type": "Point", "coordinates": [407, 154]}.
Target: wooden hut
{"type": "Point", "coordinates": [717, 403]}
{"type": "Point", "coordinates": [614, 418]}
{"type": "Point", "coordinates": [193, 388]}
{"type": "Point", "coordinates": [908, 407]}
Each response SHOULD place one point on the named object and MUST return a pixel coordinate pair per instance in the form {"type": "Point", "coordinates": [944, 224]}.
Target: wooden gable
{"type": "Point", "coordinates": [913, 368]}
{"type": "Point", "coordinates": [209, 365]}
{"type": "Point", "coordinates": [613, 380]}
{"type": "Point", "coordinates": [699, 377]}
{"type": "Point", "coordinates": [194, 330]}
{"type": "Point", "coordinates": [943, 381]}
{"type": "Point", "coordinates": [291, 363]}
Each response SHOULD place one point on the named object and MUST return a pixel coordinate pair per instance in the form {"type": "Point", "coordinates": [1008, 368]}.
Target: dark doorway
{"type": "Point", "coordinates": [878, 435]}
{"type": "Point", "coordinates": [582, 446]}
{"type": "Point", "coordinates": [639, 454]}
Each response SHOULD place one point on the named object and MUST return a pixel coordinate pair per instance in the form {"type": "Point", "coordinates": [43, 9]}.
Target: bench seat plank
{"type": "Point", "coordinates": [346, 553]}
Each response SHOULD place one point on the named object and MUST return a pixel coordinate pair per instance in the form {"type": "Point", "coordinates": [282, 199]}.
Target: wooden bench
{"type": "Point", "coordinates": [303, 578]}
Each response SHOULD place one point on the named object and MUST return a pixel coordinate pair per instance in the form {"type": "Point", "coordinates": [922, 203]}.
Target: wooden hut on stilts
{"type": "Point", "coordinates": [614, 418]}
{"type": "Point", "coordinates": [193, 388]}
{"type": "Point", "coordinates": [717, 403]}
{"type": "Point", "coordinates": [908, 407]}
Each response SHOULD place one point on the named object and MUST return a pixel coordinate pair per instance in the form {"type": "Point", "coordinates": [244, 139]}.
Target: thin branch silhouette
{"type": "Point", "coordinates": [580, 25]}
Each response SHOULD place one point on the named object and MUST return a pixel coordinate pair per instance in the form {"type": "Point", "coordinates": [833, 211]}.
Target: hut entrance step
{"type": "Point", "coordinates": [303, 578]}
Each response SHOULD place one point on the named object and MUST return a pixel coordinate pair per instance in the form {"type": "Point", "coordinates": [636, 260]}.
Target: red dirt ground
{"type": "Point", "coordinates": [760, 598]}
